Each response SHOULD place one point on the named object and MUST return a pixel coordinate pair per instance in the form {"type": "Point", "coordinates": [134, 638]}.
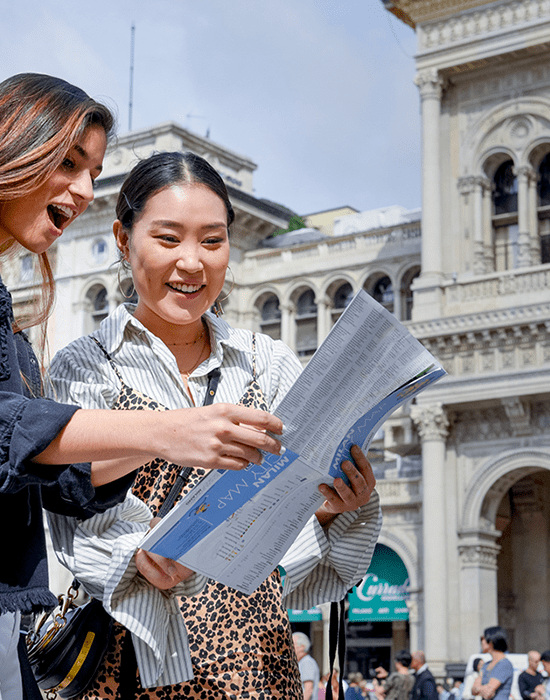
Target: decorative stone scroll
{"type": "Point", "coordinates": [429, 84]}
{"type": "Point", "coordinates": [431, 420]}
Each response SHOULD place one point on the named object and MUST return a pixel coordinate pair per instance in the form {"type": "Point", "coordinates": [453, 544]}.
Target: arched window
{"type": "Point", "coordinates": [382, 292]}
{"type": "Point", "coordinates": [505, 195]}
{"type": "Point", "coordinates": [98, 305]}
{"type": "Point", "coordinates": [543, 191]}
{"type": "Point", "coordinates": [406, 293]}
{"type": "Point", "coordinates": [270, 322]}
{"type": "Point", "coordinates": [306, 324]}
{"type": "Point", "coordinates": [544, 182]}
{"type": "Point", "coordinates": [342, 297]}
{"type": "Point", "coordinates": [505, 222]}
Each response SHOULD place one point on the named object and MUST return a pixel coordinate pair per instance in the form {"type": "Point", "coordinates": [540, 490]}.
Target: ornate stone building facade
{"type": "Point", "coordinates": [482, 305]}
{"type": "Point", "coordinates": [464, 472]}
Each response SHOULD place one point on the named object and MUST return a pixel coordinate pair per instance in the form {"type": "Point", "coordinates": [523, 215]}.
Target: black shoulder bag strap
{"type": "Point", "coordinates": [128, 665]}
{"type": "Point", "coordinates": [337, 639]}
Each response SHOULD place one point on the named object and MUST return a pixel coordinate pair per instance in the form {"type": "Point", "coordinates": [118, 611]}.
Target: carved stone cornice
{"type": "Point", "coordinates": [431, 420]}
{"type": "Point", "coordinates": [448, 24]}
{"type": "Point", "coordinates": [498, 321]}
{"type": "Point", "coordinates": [414, 12]}
{"type": "Point", "coordinates": [522, 335]}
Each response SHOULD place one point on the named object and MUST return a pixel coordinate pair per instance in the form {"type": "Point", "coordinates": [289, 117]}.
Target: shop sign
{"type": "Point", "coordinates": [382, 594]}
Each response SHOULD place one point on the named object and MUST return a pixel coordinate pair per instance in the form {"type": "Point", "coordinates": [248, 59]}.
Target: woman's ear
{"type": "Point", "coordinates": [121, 238]}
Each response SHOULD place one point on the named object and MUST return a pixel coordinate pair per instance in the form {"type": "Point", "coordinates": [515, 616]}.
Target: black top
{"type": "Point", "coordinates": [27, 426]}
{"type": "Point", "coordinates": [527, 684]}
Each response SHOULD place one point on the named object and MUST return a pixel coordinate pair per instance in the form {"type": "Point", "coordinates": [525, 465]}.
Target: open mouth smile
{"type": "Point", "coordinates": [59, 215]}
{"type": "Point", "coordinates": [185, 288]}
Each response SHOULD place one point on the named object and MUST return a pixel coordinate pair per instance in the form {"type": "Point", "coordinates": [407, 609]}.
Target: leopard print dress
{"type": "Point", "coordinates": [241, 645]}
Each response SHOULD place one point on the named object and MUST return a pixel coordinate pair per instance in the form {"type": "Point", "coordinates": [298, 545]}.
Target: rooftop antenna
{"type": "Point", "coordinates": [199, 116]}
{"type": "Point", "coordinates": [131, 104]}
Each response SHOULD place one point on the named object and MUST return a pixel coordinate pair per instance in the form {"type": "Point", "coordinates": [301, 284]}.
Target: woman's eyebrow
{"type": "Point", "coordinates": [82, 152]}
{"type": "Point", "coordinates": [178, 224]}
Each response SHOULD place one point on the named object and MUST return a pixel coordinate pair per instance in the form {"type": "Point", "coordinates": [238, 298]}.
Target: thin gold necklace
{"type": "Point", "coordinates": [186, 374]}
{"type": "Point", "coordinates": [191, 342]}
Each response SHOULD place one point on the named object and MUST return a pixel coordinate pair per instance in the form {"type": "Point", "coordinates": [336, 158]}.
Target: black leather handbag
{"type": "Point", "coordinates": [68, 644]}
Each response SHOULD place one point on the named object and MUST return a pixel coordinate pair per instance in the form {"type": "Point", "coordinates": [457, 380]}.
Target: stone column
{"type": "Point", "coordinates": [324, 324]}
{"type": "Point", "coordinates": [524, 174]}
{"type": "Point", "coordinates": [487, 223]}
{"type": "Point", "coordinates": [427, 288]}
{"type": "Point", "coordinates": [430, 86]}
{"type": "Point", "coordinates": [416, 636]}
{"type": "Point", "coordinates": [465, 247]}
{"type": "Point", "coordinates": [479, 248]}
{"type": "Point", "coordinates": [477, 550]}
{"type": "Point", "coordinates": [398, 302]}
{"type": "Point", "coordinates": [288, 334]}
{"type": "Point", "coordinates": [433, 424]}
{"type": "Point", "coordinates": [534, 219]}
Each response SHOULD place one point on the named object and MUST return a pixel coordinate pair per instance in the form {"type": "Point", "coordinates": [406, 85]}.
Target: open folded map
{"type": "Point", "coordinates": [368, 365]}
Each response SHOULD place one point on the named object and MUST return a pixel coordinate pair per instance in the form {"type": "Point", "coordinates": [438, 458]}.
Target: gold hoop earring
{"type": "Point", "coordinates": [120, 287]}
{"type": "Point", "coordinates": [218, 308]}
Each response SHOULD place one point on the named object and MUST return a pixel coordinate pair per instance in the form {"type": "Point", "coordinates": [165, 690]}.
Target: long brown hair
{"type": "Point", "coordinates": [41, 117]}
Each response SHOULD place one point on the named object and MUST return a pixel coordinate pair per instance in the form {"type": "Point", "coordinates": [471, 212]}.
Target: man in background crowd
{"type": "Point", "coordinates": [530, 678]}
{"type": "Point", "coordinates": [398, 685]}
{"type": "Point", "coordinates": [424, 687]}
{"type": "Point", "coordinates": [309, 671]}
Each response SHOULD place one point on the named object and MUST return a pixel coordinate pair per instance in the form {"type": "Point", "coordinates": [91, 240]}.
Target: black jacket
{"type": "Point", "coordinates": [424, 686]}
{"type": "Point", "coordinates": [27, 426]}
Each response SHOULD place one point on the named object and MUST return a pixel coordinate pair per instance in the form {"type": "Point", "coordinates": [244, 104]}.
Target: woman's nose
{"type": "Point", "coordinates": [189, 259]}
{"type": "Point", "coordinates": [82, 186]}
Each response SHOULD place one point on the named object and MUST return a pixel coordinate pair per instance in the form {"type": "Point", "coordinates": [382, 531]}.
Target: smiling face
{"type": "Point", "coordinates": [37, 219]}
{"type": "Point", "coordinates": [178, 251]}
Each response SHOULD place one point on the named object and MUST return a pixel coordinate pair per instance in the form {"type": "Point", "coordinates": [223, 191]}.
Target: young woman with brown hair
{"type": "Point", "coordinates": [52, 141]}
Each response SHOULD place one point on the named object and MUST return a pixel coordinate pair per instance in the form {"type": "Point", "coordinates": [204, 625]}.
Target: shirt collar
{"type": "Point", "coordinates": [422, 669]}
{"type": "Point", "coordinates": [121, 324]}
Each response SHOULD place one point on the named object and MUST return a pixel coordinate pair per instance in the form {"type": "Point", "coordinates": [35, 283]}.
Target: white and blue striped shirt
{"type": "Point", "coordinates": [321, 566]}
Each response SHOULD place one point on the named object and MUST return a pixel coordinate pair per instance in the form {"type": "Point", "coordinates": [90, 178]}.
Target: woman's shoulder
{"type": "Point", "coordinates": [108, 334]}
{"type": "Point", "coordinates": [502, 669]}
{"type": "Point", "coordinates": [76, 349]}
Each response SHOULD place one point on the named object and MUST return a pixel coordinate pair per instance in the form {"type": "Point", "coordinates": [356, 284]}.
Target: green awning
{"type": "Point", "coordinates": [305, 615]}
{"type": "Point", "coordinates": [382, 594]}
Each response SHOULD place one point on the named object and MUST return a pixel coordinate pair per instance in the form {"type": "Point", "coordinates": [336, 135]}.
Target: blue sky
{"type": "Point", "coordinates": [318, 93]}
